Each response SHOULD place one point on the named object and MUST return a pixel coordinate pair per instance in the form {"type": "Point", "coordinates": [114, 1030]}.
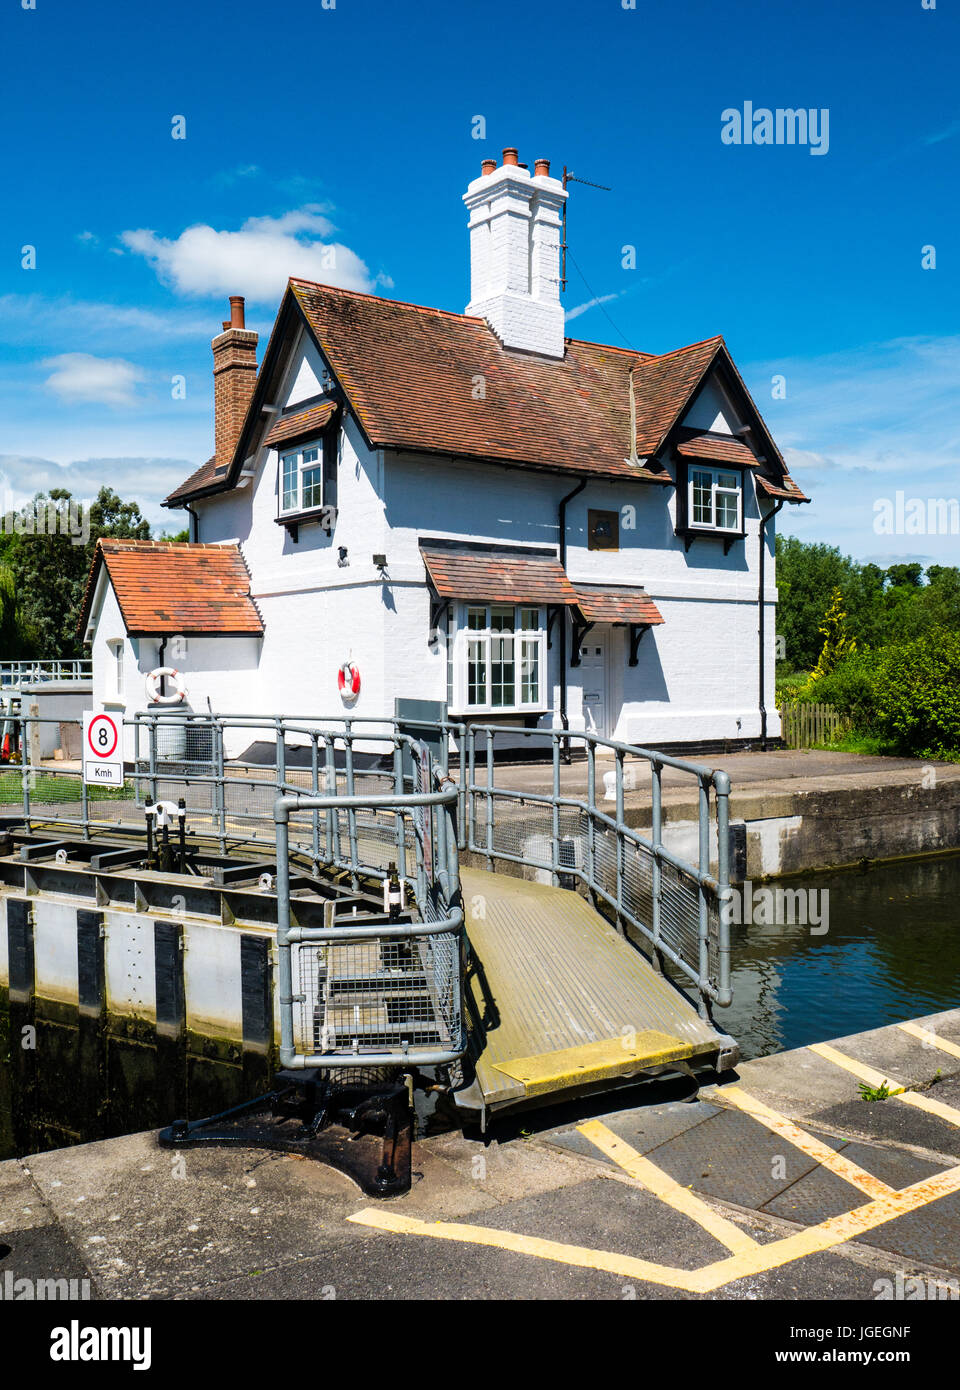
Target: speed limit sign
{"type": "Point", "coordinates": [102, 754]}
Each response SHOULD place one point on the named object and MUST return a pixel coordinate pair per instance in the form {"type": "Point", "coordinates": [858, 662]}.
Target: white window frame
{"type": "Point", "coordinates": [300, 468]}
{"type": "Point", "coordinates": [715, 487]}
{"type": "Point", "coordinates": [115, 646]}
{"type": "Point", "coordinates": [527, 639]}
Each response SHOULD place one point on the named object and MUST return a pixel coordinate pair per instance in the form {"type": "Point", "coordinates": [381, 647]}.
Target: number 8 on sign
{"type": "Point", "coordinates": [102, 757]}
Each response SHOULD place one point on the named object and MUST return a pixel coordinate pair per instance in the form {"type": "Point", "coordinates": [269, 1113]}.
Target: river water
{"type": "Point", "coordinates": [891, 951]}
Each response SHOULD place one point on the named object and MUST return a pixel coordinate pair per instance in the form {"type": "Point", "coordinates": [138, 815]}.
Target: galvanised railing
{"type": "Point", "coordinates": [17, 673]}
{"type": "Point", "coordinates": [230, 770]}
{"type": "Point", "coordinates": [414, 966]}
{"type": "Point", "coordinates": [671, 905]}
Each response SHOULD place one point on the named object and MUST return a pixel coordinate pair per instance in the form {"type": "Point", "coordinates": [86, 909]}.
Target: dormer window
{"type": "Point", "coordinates": [715, 500]}
{"type": "Point", "coordinates": [301, 479]}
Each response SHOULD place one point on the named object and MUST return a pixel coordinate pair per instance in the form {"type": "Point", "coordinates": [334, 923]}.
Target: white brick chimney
{"type": "Point", "coordinates": [515, 222]}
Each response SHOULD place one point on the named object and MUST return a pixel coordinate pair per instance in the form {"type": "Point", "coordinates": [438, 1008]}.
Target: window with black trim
{"type": "Point", "coordinates": [603, 530]}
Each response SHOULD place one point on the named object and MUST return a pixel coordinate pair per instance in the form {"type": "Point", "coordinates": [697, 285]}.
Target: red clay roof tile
{"type": "Point", "coordinates": [722, 448]}
{"type": "Point", "coordinates": [617, 604]}
{"type": "Point", "coordinates": [430, 381]}
{"type": "Point", "coordinates": [427, 380]}
{"type": "Point", "coordinates": [497, 576]}
{"type": "Point", "coordinates": [165, 587]}
{"type": "Point", "coordinates": [785, 488]}
{"type": "Point", "coordinates": [299, 426]}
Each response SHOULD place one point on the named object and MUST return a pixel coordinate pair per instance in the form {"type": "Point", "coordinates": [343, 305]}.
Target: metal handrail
{"type": "Point", "coordinates": [703, 964]}
{"type": "Point", "coordinates": [709, 972]}
{"type": "Point", "coordinates": [289, 934]}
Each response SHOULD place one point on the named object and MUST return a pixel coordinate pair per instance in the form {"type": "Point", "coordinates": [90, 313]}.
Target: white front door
{"type": "Point", "coordinates": [593, 674]}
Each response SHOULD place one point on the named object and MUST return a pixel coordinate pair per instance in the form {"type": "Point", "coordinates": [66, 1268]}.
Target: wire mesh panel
{"type": "Point", "coordinates": [663, 902]}
{"type": "Point", "coordinates": [376, 996]}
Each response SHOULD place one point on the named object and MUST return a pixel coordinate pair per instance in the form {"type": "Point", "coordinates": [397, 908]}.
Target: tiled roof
{"type": "Point", "coordinates": [430, 381]}
{"type": "Point", "coordinates": [164, 587]}
{"type": "Point", "coordinates": [617, 604]}
{"type": "Point", "coordinates": [426, 380]}
{"type": "Point", "coordinates": [785, 488]}
{"type": "Point", "coordinates": [493, 575]}
{"type": "Point", "coordinates": [723, 448]}
{"type": "Point", "coordinates": [301, 425]}
{"type": "Point", "coordinates": [206, 474]}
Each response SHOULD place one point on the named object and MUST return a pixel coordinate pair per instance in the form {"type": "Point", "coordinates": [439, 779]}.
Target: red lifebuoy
{"type": "Point", "coordinates": [348, 680]}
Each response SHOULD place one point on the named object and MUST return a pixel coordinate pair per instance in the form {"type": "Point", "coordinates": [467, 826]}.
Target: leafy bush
{"type": "Point", "coordinates": [908, 696]}
{"type": "Point", "coordinates": [916, 694]}
{"type": "Point", "coordinates": [790, 684]}
{"type": "Point", "coordinates": [849, 687]}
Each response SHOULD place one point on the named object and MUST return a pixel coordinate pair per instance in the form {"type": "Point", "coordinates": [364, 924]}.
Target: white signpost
{"type": "Point", "coordinates": [102, 754]}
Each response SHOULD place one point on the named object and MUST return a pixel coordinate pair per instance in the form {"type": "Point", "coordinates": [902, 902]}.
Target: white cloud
{"type": "Point", "coordinates": [37, 319]}
{"type": "Point", "coordinates": [859, 424]}
{"type": "Point", "coordinates": [255, 261]}
{"type": "Point", "coordinates": [143, 480]}
{"type": "Point", "coordinates": [590, 304]}
{"type": "Point", "coordinates": [79, 376]}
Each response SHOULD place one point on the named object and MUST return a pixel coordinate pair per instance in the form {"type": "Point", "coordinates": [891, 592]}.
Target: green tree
{"type": "Point", "coordinates": [50, 571]}
{"type": "Point", "coordinates": [807, 576]}
{"type": "Point", "coordinates": [837, 642]}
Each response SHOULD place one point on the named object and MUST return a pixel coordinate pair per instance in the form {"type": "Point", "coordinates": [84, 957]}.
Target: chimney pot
{"type": "Point", "coordinates": [487, 166]}
{"type": "Point", "coordinates": [236, 311]}
{"type": "Point", "coordinates": [515, 228]}
{"type": "Point", "coordinates": [541, 168]}
{"type": "Point", "coordinates": [226, 324]}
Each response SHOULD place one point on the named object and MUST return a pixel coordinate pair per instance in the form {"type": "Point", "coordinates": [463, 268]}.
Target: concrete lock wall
{"type": "Point", "coordinates": [214, 973]}
{"type": "Point", "coordinates": [118, 1019]}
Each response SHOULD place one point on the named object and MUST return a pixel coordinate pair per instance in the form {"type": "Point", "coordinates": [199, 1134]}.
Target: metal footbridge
{"type": "Point", "coordinates": [560, 1003]}
{"type": "Point", "coordinates": [506, 947]}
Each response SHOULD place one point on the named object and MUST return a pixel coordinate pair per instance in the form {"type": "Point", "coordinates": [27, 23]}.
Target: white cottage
{"type": "Point", "coordinates": [468, 508]}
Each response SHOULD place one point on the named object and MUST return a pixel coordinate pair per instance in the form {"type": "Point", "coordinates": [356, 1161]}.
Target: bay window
{"type": "Point", "coordinates": [499, 658]}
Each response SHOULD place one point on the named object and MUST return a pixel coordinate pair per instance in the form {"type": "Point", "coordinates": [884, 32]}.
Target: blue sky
{"type": "Point", "coordinates": [354, 125]}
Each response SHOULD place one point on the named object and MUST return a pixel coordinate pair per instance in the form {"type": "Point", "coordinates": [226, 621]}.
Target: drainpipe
{"type": "Point", "coordinates": [194, 524]}
{"type": "Point", "coordinates": [562, 527]}
{"type": "Point", "coordinates": [761, 614]}
{"type": "Point", "coordinates": [161, 652]}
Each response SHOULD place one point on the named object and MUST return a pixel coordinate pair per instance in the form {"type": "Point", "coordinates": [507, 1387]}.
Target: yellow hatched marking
{"type": "Point", "coordinates": [814, 1148]}
{"type": "Point", "coordinates": [930, 1039]}
{"type": "Point", "coordinates": [865, 1073]}
{"type": "Point", "coordinates": [666, 1188]}
{"type": "Point", "coordinates": [837, 1230]}
{"type": "Point", "coordinates": [875, 1078]}
{"type": "Point", "coordinates": [578, 1255]}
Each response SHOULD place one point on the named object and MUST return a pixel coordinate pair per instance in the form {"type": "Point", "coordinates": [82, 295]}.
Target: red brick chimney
{"type": "Point", "coordinates": [234, 377]}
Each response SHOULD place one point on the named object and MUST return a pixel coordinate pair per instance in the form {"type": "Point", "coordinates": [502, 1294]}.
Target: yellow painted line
{"type": "Point", "coordinates": [860, 1069]}
{"type": "Point", "coordinates": [918, 1099]}
{"type": "Point", "coordinates": [666, 1188]}
{"type": "Point", "coordinates": [814, 1148]}
{"type": "Point", "coordinates": [930, 1039]}
{"type": "Point", "coordinates": [626, 1265]}
{"type": "Point", "coordinates": [837, 1230]}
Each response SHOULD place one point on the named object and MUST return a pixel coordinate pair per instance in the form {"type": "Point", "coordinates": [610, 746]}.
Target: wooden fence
{"type": "Point", "coordinates": [805, 725]}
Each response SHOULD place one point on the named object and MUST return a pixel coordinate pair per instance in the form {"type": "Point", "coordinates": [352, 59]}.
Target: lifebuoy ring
{"type": "Point", "coordinates": [348, 680]}
{"type": "Point", "coordinates": [153, 686]}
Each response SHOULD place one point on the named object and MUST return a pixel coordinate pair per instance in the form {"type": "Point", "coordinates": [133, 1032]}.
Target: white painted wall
{"type": "Point", "coordinates": [697, 674]}
{"type": "Point", "coordinates": [219, 668]}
